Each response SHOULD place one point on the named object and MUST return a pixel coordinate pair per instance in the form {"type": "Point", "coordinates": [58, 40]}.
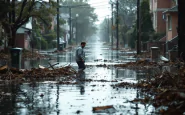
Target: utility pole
{"type": "Point", "coordinates": [117, 27]}
{"type": "Point", "coordinates": [76, 31]}
{"type": "Point", "coordinates": [58, 28]}
{"type": "Point", "coordinates": [108, 30]}
{"type": "Point", "coordinates": [138, 28]}
{"type": "Point", "coordinates": [70, 28]}
{"type": "Point", "coordinates": [70, 24]}
{"type": "Point", "coordinates": [181, 30]}
{"type": "Point", "coordinates": [112, 27]}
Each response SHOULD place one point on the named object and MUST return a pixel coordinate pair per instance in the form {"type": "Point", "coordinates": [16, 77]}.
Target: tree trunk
{"type": "Point", "coordinates": [13, 44]}
{"type": "Point", "coordinates": [11, 38]}
{"type": "Point", "coordinates": [181, 29]}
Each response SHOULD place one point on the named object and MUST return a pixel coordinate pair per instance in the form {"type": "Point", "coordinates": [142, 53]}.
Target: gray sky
{"type": "Point", "coordinates": [102, 8]}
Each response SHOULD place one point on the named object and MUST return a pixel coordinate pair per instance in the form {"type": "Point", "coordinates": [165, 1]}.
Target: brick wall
{"type": "Point", "coordinates": [19, 41]}
{"type": "Point", "coordinates": [161, 23]}
{"type": "Point", "coordinates": [174, 24]}
{"type": "Point", "coordinates": [173, 32]}
{"type": "Point", "coordinates": [164, 3]}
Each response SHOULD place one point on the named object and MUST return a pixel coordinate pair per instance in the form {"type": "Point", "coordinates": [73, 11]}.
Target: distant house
{"type": "Point", "coordinates": [65, 27]}
{"type": "Point", "coordinates": [22, 39]}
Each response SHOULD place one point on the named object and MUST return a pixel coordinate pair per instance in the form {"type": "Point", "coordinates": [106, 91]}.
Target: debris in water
{"type": "Point", "coordinates": [104, 109]}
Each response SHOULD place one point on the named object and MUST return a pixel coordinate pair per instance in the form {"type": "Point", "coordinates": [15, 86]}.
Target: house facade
{"type": "Point", "coordinates": [165, 20]}
{"type": "Point", "coordinates": [171, 17]}
{"type": "Point", "coordinates": [157, 7]}
{"type": "Point", "coordinates": [171, 31]}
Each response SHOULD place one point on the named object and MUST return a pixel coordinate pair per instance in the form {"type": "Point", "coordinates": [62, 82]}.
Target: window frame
{"type": "Point", "coordinates": [169, 22]}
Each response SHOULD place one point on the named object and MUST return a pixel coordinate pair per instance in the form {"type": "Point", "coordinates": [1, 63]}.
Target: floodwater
{"type": "Point", "coordinates": [53, 98]}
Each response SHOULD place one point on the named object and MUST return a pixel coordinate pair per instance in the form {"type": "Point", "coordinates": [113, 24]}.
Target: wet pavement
{"type": "Point", "coordinates": [92, 89]}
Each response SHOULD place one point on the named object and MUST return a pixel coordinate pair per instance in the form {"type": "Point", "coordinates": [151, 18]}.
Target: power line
{"type": "Point", "coordinates": [97, 2]}
{"type": "Point", "coordinates": [83, 5]}
{"type": "Point", "coordinates": [98, 5]}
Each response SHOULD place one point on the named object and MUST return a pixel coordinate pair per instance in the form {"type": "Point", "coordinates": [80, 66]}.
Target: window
{"type": "Point", "coordinates": [155, 20]}
{"type": "Point", "coordinates": [169, 22]}
{"type": "Point", "coordinates": [175, 2]}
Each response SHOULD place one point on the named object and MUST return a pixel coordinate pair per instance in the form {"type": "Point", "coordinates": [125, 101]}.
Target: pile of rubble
{"type": "Point", "coordinates": [166, 91]}
{"type": "Point", "coordinates": [138, 64]}
{"type": "Point", "coordinates": [7, 73]}
{"type": "Point", "coordinates": [25, 55]}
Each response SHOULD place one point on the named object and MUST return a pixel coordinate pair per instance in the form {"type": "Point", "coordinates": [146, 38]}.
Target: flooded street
{"type": "Point", "coordinates": [93, 88]}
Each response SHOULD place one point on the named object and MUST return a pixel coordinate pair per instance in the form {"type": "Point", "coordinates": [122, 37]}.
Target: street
{"type": "Point", "coordinates": [79, 96]}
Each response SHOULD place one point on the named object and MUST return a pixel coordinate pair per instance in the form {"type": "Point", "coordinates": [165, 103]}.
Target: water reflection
{"type": "Point", "coordinates": [51, 98]}
{"type": "Point", "coordinates": [81, 82]}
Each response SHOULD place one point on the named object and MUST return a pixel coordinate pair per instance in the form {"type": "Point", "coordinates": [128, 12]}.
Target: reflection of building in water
{"type": "Point", "coordinates": [81, 81]}
{"type": "Point", "coordinates": [125, 73]}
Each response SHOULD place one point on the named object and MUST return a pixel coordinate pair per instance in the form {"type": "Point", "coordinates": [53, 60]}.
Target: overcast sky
{"type": "Point", "coordinates": [102, 8]}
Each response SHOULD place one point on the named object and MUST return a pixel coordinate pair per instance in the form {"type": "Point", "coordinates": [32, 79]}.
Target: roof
{"type": "Point", "coordinates": [173, 9]}
{"type": "Point", "coordinates": [173, 40]}
{"type": "Point", "coordinates": [163, 39]}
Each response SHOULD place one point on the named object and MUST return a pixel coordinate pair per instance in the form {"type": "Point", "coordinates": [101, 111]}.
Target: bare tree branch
{"type": "Point", "coordinates": [21, 12]}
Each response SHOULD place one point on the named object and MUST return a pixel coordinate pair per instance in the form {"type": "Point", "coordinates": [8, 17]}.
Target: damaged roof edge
{"type": "Point", "coordinates": [173, 9]}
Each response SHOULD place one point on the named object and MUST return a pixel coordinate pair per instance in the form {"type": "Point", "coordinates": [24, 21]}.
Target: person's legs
{"type": "Point", "coordinates": [81, 65]}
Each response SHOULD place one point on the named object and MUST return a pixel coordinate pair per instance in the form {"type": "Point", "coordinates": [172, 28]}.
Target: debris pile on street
{"type": "Point", "coordinates": [25, 55]}
{"type": "Point", "coordinates": [104, 109]}
{"type": "Point", "coordinates": [140, 63]}
{"type": "Point", "coordinates": [166, 91]}
{"type": "Point", "coordinates": [3, 55]}
{"type": "Point", "coordinates": [32, 55]}
{"type": "Point", "coordinates": [13, 73]}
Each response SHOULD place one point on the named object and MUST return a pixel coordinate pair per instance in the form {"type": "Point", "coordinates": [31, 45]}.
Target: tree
{"type": "Point", "coordinates": [105, 29]}
{"type": "Point", "coordinates": [146, 25]}
{"type": "Point", "coordinates": [127, 11]}
{"type": "Point", "coordinates": [146, 22]}
{"type": "Point", "coordinates": [19, 13]}
{"type": "Point", "coordinates": [181, 29]}
{"type": "Point", "coordinates": [86, 17]}
{"type": "Point", "coordinates": [127, 16]}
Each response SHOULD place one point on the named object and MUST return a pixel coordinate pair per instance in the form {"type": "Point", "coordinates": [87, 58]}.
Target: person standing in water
{"type": "Point", "coordinates": [80, 57]}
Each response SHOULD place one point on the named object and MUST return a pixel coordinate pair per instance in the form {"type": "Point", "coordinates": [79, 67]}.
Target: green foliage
{"type": "Point", "coordinates": [131, 36]}
{"type": "Point", "coordinates": [146, 26]}
{"type": "Point", "coordinates": [61, 30]}
{"type": "Point", "coordinates": [20, 13]}
{"type": "Point", "coordinates": [127, 12]}
{"type": "Point", "coordinates": [146, 22]}
{"type": "Point", "coordinates": [44, 44]}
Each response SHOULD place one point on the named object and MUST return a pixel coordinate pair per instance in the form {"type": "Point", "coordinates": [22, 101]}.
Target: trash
{"type": "Point", "coordinates": [104, 109]}
{"type": "Point", "coordinates": [164, 59]}
{"type": "Point", "coordinates": [41, 67]}
{"type": "Point", "coordinates": [3, 67]}
{"type": "Point", "coordinates": [41, 72]}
